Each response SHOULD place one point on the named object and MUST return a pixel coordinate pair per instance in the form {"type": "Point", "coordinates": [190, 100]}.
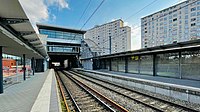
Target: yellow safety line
{"type": "Point", "coordinates": [62, 94]}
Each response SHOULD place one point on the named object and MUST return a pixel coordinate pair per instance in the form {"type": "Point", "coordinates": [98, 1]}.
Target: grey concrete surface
{"type": "Point", "coordinates": [22, 96]}
{"type": "Point", "coordinates": [184, 82]}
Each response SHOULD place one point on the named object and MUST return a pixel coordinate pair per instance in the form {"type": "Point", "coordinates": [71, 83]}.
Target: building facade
{"type": "Point", "coordinates": [112, 37]}
{"type": "Point", "coordinates": [63, 44]}
{"type": "Point", "coordinates": [177, 23]}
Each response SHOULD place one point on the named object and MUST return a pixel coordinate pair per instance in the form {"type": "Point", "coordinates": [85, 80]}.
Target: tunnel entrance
{"type": "Point", "coordinates": [63, 61]}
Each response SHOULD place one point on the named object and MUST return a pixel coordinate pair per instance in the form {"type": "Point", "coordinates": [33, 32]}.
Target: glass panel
{"type": "Point", "coordinates": [61, 35]}
{"type": "Point", "coordinates": [62, 49]}
{"type": "Point", "coordinates": [133, 64]}
{"type": "Point", "coordinates": [146, 64]}
{"type": "Point", "coordinates": [190, 64]}
{"type": "Point", "coordinates": [12, 69]}
{"type": "Point", "coordinates": [107, 64]}
{"type": "Point", "coordinates": [168, 64]}
{"type": "Point", "coordinates": [114, 64]}
{"type": "Point", "coordinates": [121, 65]}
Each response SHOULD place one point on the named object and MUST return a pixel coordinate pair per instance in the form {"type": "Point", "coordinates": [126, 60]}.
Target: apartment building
{"type": "Point", "coordinates": [177, 23]}
{"type": "Point", "coordinates": [112, 37]}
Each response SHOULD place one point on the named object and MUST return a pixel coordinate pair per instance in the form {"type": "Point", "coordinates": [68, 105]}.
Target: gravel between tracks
{"type": "Point", "coordinates": [177, 101]}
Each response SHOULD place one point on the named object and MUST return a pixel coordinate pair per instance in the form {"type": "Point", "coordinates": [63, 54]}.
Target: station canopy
{"type": "Point", "coordinates": [17, 35]}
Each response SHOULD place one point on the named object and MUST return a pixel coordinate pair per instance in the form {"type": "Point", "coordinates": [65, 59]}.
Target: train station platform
{"type": "Point", "coordinates": [37, 94]}
{"type": "Point", "coordinates": [187, 90]}
{"type": "Point", "coordinates": [170, 80]}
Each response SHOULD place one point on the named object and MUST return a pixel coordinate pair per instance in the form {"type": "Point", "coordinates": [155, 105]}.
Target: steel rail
{"type": "Point", "coordinates": [107, 100]}
{"type": "Point", "coordinates": [70, 95]}
{"type": "Point", "coordinates": [62, 93]}
{"type": "Point", "coordinates": [161, 100]}
{"type": "Point", "coordinates": [136, 100]}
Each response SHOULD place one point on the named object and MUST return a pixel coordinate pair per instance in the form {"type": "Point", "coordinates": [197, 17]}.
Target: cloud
{"type": "Point", "coordinates": [135, 36]}
{"type": "Point", "coordinates": [179, 1]}
{"type": "Point", "coordinates": [59, 3]}
{"type": "Point", "coordinates": [37, 10]}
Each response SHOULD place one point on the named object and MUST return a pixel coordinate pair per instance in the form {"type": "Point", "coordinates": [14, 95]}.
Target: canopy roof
{"type": "Point", "coordinates": [17, 36]}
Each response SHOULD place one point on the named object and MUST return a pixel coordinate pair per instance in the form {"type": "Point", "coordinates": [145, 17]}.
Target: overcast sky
{"type": "Point", "coordinates": [67, 13]}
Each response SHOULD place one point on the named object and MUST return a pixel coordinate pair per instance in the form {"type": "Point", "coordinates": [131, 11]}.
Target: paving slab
{"type": "Point", "coordinates": [27, 95]}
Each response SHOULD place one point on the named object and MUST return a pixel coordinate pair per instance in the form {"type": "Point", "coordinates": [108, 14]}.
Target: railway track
{"type": "Point", "coordinates": [80, 98]}
{"type": "Point", "coordinates": [149, 101]}
{"type": "Point", "coordinates": [69, 102]}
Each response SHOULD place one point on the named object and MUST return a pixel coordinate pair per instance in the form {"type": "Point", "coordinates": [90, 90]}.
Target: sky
{"type": "Point", "coordinates": [67, 13]}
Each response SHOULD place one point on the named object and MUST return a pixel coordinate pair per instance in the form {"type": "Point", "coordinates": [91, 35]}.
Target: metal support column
{"type": "Point", "coordinates": [154, 65]}
{"type": "Point", "coordinates": [126, 64]}
{"type": "Point", "coordinates": [1, 72]}
{"type": "Point", "coordinates": [110, 43]}
{"type": "Point", "coordinates": [179, 64]}
{"type": "Point", "coordinates": [33, 65]}
{"type": "Point", "coordinates": [24, 66]}
{"type": "Point", "coordinates": [17, 70]}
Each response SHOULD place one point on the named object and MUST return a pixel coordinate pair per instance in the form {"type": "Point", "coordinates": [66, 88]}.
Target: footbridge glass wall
{"type": "Point", "coordinates": [182, 64]}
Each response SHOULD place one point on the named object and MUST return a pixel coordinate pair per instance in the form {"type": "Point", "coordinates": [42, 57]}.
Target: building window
{"type": "Point", "coordinates": [186, 21]}
{"type": "Point", "coordinates": [193, 19]}
{"type": "Point", "coordinates": [174, 15]}
{"type": "Point", "coordinates": [193, 14]}
{"type": "Point", "coordinates": [193, 24]}
{"type": "Point", "coordinates": [175, 19]}
{"type": "Point", "coordinates": [186, 16]}
{"type": "Point", "coordinates": [193, 9]}
{"type": "Point", "coordinates": [198, 8]}
{"type": "Point", "coordinates": [198, 13]}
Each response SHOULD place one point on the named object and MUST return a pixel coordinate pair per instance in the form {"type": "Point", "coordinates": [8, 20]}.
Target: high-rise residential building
{"type": "Point", "coordinates": [112, 37]}
{"type": "Point", "coordinates": [177, 23]}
